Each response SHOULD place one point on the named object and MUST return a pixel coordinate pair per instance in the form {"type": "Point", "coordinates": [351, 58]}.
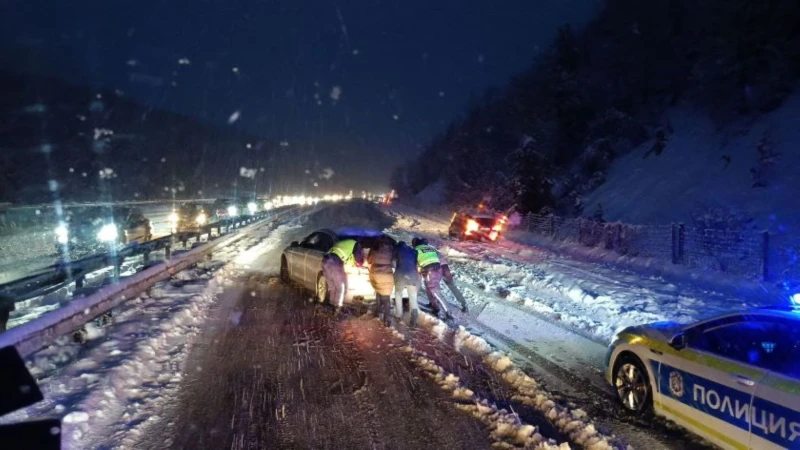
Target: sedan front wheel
{"type": "Point", "coordinates": [322, 289]}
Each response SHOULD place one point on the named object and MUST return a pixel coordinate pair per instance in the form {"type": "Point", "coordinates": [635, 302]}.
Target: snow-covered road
{"type": "Point", "coordinates": [225, 356]}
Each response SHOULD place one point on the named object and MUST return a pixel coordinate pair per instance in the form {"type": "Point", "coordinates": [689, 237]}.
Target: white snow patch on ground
{"type": "Point", "coordinates": [572, 422]}
{"type": "Point", "coordinates": [507, 430]}
{"type": "Point", "coordinates": [596, 300]}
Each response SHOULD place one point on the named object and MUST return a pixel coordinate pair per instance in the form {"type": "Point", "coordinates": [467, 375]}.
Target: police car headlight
{"type": "Point", "coordinates": [252, 207]}
{"type": "Point", "coordinates": [108, 233]}
{"type": "Point", "coordinates": [233, 211]}
{"type": "Point", "coordinates": [202, 218]}
{"type": "Point", "coordinates": [62, 234]}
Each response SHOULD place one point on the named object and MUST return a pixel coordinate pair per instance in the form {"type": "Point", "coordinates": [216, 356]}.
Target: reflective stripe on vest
{"type": "Point", "coordinates": [426, 255]}
{"type": "Point", "coordinates": [344, 250]}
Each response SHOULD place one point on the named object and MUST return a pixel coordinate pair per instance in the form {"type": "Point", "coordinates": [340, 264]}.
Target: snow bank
{"type": "Point", "coordinates": [705, 165]}
{"type": "Point", "coordinates": [506, 428]}
{"type": "Point", "coordinates": [572, 422]}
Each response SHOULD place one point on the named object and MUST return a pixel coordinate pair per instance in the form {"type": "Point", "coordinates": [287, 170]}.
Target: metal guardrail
{"type": "Point", "coordinates": [12, 207]}
{"type": "Point", "coordinates": [59, 275]}
{"type": "Point", "coordinates": [31, 336]}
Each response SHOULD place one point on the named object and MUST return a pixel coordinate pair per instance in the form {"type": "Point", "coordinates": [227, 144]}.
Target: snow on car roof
{"type": "Point", "coordinates": [360, 232]}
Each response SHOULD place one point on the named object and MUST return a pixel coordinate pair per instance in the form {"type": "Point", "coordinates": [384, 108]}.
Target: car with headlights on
{"type": "Point", "coordinates": [477, 226]}
{"type": "Point", "coordinates": [733, 379]}
{"type": "Point", "coordinates": [97, 229]}
{"type": "Point", "coordinates": [225, 208]}
{"type": "Point", "coordinates": [301, 262]}
{"type": "Point", "coordinates": [189, 218]}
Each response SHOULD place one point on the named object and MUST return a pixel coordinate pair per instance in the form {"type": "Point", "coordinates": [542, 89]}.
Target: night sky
{"type": "Point", "coordinates": [358, 86]}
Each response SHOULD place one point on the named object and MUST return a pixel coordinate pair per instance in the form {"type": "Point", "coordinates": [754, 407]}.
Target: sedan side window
{"type": "Point", "coordinates": [325, 242]}
{"type": "Point", "coordinates": [311, 241]}
{"type": "Point", "coordinates": [761, 343]}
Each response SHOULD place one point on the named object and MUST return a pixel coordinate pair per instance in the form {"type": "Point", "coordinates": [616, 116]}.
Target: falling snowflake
{"type": "Point", "coordinates": [327, 173]}
{"type": "Point", "coordinates": [356, 51]}
{"type": "Point", "coordinates": [249, 145]}
{"type": "Point", "coordinates": [235, 70]}
{"type": "Point", "coordinates": [441, 93]}
{"type": "Point", "coordinates": [163, 160]}
{"type": "Point", "coordinates": [132, 62]}
{"type": "Point", "coordinates": [71, 170]}
{"type": "Point", "coordinates": [336, 93]}
{"type": "Point", "coordinates": [248, 173]}
{"type": "Point", "coordinates": [184, 61]}
{"type": "Point", "coordinates": [102, 132]}
{"type": "Point", "coordinates": [396, 117]}
{"type": "Point", "coordinates": [284, 143]}
{"type": "Point", "coordinates": [107, 174]}
{"type": "Point", "coordinates": [316, 184]}
{"type": "Point", "coordinates": [234, 117]}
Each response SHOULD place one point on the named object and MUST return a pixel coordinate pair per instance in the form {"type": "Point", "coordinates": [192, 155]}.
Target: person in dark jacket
{"type": "Point", "coordinates": [431, 270]}
{"type": "Point", "coordinates": [406, 277]}
{"type": "Point", "coordinates": [381, 278]}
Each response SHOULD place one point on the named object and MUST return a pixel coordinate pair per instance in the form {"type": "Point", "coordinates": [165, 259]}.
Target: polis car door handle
{"type": "Point", "coordinates": [657, 352]}
{"type": "Point", "coordinates": [744, 380]}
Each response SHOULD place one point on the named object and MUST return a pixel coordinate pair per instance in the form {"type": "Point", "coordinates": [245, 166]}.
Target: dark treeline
{"type": "Point", "coordinates": [81, 144]}
{"type": "Point", "coordinates": [549, 135]}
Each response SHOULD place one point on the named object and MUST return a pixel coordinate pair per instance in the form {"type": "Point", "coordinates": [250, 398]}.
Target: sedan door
{"type": "Point", "coordinates": [313, 262]}
{"type": "Point", "coordinates": [776, 405]}
{"type": "Point", "coordinates": [708, 386]}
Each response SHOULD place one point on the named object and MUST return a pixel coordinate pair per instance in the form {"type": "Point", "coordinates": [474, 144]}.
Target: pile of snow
{"type": "Point", "coordinates": [572, 422]}
{"type": "Point", "coordinates": [506, 428]}
{"type": "Point", "coordinates": [703, 165]}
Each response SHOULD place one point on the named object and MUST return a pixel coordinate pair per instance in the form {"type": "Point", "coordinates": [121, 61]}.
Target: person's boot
{"type": "Point", "coordinates": [413, 320]}
{"type": "Point", "coordinates": [464, 309]}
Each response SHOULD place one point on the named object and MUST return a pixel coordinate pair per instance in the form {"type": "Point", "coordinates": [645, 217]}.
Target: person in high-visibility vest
{"type": "Point", "coordinates": [431, 270]}
{"type": "Point", "coordinates": [344, 252]}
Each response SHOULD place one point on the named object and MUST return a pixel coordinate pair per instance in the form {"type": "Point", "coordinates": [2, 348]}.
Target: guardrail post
{"type": "Point", "coordinates": [168, 252]}
{"type": "Point", "coordinates": [552, 225]}
{"type": "Point", "coordinates": [681, 243]}
{"type": "Point", "coordinates": [765, 255]}
{"type": "Point", "coordinates": [146, 257]}
{"type": "Point", "coordinates": [618, 240]}
{"type": "Point", "coordinates": [80, 281]}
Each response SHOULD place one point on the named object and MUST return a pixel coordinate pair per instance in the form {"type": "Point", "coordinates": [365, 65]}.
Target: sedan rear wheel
{"type": "Point", "coordinates": [284, 270]}
{"type": "Point", "coordinates": [632, 385]}
{"type": "Point", "coordinates": [322, 289]}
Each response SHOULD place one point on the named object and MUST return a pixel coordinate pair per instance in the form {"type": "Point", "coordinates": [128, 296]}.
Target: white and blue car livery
{"type": "Point", "coordinates": [732, 379]}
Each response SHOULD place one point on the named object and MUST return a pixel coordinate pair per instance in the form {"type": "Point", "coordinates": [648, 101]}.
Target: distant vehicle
{"type": "Point", "coordinates": [301, 262]}
{"type": "Point", "coordinates": [732, 379]}
{"type": "Point", "coordinates": [189, 218]}
{"type": "Point", "coordinates": [224, 208]}
{"type": "Point", "coordinates": [96, 229]}
{"type": "Point", "coordinates": [475, 226]}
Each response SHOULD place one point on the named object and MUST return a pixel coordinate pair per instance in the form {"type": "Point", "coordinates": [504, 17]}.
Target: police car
{"type": "Point", "coordinates": [732, 379]}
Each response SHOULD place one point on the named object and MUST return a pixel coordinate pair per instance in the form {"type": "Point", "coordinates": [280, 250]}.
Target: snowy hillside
{"type": "Point", "coordinates": [704, 168]}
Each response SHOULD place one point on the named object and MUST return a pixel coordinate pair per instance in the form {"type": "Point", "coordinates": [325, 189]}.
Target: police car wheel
{"type": "Point", "coordinates": [632, 384]}
{"type": "Point", "coordinates": [322, 289]}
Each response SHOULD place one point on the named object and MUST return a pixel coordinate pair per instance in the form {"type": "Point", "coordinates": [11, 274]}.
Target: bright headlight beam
{"type": "Point", "coordinates": [62, 234]}
{"type": "Point", "coordinates": [233, 211]}
{"type": "Point", "coordinates": [108, 233]}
